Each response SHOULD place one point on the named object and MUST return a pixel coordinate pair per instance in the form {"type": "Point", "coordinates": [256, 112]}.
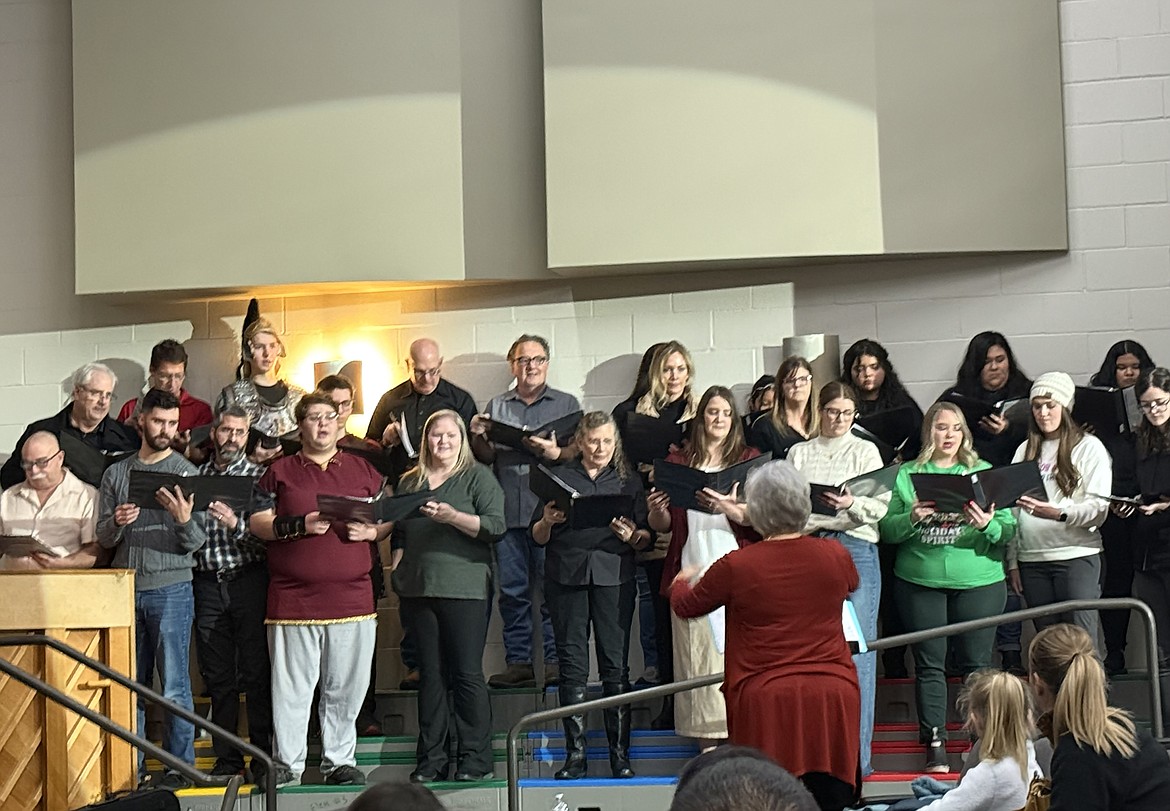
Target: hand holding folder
{"type": "Point", "coordinates": [682, 483]}
{"type": "Point", "coordinates": [513, 436]}
{"type": "Point", "coordinates": [1000, 486]}
{"type": "Point", "coordinates": [867, 485]}
{"type": "Point", "coordinates": [581, 512]}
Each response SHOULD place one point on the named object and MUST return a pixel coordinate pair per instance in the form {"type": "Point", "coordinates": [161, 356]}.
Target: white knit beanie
{"type": "Point", "coordinates": [1057, 385]}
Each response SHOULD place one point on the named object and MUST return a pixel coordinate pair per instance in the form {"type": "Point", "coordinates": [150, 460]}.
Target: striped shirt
{"type": "Point", "coordinates": [230, 549]}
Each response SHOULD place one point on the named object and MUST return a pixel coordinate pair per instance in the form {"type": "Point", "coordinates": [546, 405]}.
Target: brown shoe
{"type": "Point", "coordinates": [409, 681]}
{"type": "Point", "coordinates": [552, 674]}
{"type": "Point", "coordinates": [518, 674]}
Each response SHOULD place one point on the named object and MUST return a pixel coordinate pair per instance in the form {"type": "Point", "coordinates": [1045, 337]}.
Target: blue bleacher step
{"type": "Point", "coordinates": [607, 782]}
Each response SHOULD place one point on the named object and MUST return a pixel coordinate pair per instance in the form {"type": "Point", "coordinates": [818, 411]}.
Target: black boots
{"type": "Point", "coordinates": [575, 765]}
{"type": "Point", "coordinates": [665, 719]}
{"type": "Point", "coordinates": [617, 730]}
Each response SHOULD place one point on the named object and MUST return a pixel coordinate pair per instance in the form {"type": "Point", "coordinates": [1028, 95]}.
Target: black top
{"type": "Point", "coordinates": [1082, 779]}
{"type": "Point", "coordinates": [592, 557]}
{"type": "Point", "coordinates": [997, 449]}
{"type": "Point", "coordinates": [671, 413]}
{"type": "Point", "coordinates": [110, 437]}
{"type": "Point", "coordinates": [1152, 534]}
{"type": "Point", "coordinates": [403, 398]}
{"type": "Point", "coordinates": [900, 399]}
{"type": "Point", "coordinates": [764, 437]}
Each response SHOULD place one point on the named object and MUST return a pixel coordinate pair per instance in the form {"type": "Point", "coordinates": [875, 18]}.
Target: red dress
{"type": "Point", "coordinates": [790, 684]}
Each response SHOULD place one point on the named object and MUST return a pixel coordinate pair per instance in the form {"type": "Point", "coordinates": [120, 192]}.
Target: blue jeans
{"type": "Point", "coordinates": [162, 637]}
{"type": "Point", "coordinates": [1007, 636]}
{"type": "Point", "coordinates": [520, 568]}
{"type": "Point", "coordinates": [646, 619]}
{"type": "Point", "coordinates": [865, 602]}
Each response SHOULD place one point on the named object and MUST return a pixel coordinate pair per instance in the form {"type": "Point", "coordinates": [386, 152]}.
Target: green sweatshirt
{"type": "Point", "coordinates": [944, 552]}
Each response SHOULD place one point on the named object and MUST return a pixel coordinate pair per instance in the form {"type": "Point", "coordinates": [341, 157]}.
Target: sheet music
{"type": "Point", "coordinates": [852, 626]}
{"type": "Point", "coordinates": [404, 437]}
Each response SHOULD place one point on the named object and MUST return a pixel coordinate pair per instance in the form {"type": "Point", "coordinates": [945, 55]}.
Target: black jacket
{"type": "Point", "coordinates": [110, 438]}
{"type": "Point", "coordinates": [1152, 534]}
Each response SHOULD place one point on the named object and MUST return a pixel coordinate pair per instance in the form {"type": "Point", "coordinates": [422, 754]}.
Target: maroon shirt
{"type": "Point", "coordinates": [193, 412]}
{"type": "Point", "coordinates": [319, 578]}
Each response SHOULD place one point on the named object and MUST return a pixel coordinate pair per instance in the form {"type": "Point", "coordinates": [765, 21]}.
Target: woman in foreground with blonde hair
{"type": "Point", "coordinates": [1100, 760]}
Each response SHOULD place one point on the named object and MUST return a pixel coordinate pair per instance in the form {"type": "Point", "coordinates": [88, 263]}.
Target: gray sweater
{"type": "Point", "coordinates": [154, 546]}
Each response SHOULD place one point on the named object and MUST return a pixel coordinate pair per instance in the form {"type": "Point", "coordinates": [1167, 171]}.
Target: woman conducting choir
{"type": "Point", "coordinates": [1123, 364]}
{"type": "Point", "coordinates": [793, 416]}
{"type": "Point", "coordinates": [833, 457]}
{"type": "Point", "coordinates": [697, 539]}
{"type": "Point", "coordinates": [442, 573]}
{"type": "Point", "coordinates": [790, 685]}
{"type": "Point", "coordinates": [1056, 554]}
{"type": "Point", "coordinates": [949, 569]}
{"type": "Point", "coordinates": [589, 581]}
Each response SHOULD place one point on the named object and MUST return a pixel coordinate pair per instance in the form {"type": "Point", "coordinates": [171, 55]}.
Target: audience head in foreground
{"type": "Point", "coordinates": [734, 778]}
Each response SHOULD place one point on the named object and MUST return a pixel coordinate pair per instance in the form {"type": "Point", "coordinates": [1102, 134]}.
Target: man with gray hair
{"type": "Point", "coordinates": [84, 421]}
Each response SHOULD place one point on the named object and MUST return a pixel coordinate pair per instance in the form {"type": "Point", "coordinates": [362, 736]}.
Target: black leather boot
{"type": "Point", "coordinates": [617, 730]}
{"type": "Point", "coordinates": [665, 719]}
{"type": "Point", "coordinates": [575, 766]}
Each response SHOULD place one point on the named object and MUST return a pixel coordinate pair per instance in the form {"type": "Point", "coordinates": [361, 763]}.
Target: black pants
{"type": "Point", "coordinates": [450, 635]}
{"type": "Point", "coordinates": [663, 635]}
{"type": "Point", "coordinates": [1117, 579]}
{"type": "Point", "coordinates": [610, 610]}
{"type": "Point", "coordinates": [232, 645]}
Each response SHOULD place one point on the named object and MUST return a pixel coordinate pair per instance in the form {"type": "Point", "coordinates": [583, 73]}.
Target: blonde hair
{"type": "Point", "coordinates": [655, 398]}
{"type": "Point", "coordinates": [258, 327]}
{"type": "Point", "coordinates": [812, 414]}
{"type": "Point", "coordinates": [417, 476]}
{"type": "Point", "coordinates": [966, 454]}
{"type": "Point", "coordinates": [599, 419]}
{"type": "Point", "coordinates": [1062, 656]}
{"type": "Point", "coordinates": [1000, 702]}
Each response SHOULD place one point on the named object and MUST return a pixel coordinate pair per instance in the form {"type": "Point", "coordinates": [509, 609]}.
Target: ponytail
{"type": "Point", "coordinates": [1062, 656]}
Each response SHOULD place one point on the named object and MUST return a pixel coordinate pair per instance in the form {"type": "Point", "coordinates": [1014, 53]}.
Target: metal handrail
{"type": "Point", "coordinates": [1151, 644]}
{"type": "Point", "coordinates": [196, 776]}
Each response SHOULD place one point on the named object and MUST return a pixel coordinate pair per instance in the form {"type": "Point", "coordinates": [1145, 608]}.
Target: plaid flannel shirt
{"type": "Point", "coordinates": [230, 549]}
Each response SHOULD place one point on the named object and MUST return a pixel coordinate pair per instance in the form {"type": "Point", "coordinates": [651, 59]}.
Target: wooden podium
{"type": "Point", "coordinates": [51, 759]}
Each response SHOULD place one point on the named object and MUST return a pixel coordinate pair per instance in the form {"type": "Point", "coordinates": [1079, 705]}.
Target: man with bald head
{"type": "Point", "coordinates": [422, 394]}
{"type": "Point", "coordinates": [53, 506]}
{"type": "Point", "coordinates": [86, 418]}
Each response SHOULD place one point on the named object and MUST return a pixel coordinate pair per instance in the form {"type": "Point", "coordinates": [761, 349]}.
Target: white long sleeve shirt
{"type": "Point", "coordinates": [990, 785]}
{"type": "Point", "coordinates": [1043, 540]}
{"type": "Point", "coordinates": [833, 462]}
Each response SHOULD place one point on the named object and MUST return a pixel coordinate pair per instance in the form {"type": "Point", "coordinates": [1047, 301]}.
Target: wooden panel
{"type": "Point", "coordinates": [38, 600]}
{"type": "Point", "coordinates": [121, 763]}
{"type": "Point", "coordinates": [21, 723]}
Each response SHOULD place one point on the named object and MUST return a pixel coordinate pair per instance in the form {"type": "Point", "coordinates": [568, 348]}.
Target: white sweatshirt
{"type": "Point", "coordinates": [833, 462]}
{"type": "Point", "coordinates": [990, 785]}
{"type": "Point", "coordinates": [1041, 539]}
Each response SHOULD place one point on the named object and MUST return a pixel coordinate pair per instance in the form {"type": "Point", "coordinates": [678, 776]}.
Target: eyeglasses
{"type": "Point", "coordinates": [800, 380]}
{"type": "Point", "coordinates": [232, 431]}
{"type": "Point", "coordinates": [1154, 406]}
{"type": "Point", "coordinates": [428, 373]}
{"type": "Point", "coordinates": [834, 413]}
{"type": "Point", "coordinates": [342, 405]}
{"type": "Point", "coordinates": [41, 463]}
{"type": "Point", "coordinates": [96, 394]}
{"type": "Point", "coordinates": [177, 377]}
{"type": "Point", "coordinates": [524, 360]}
{"type": "Point", "coordinates": [318, 419]}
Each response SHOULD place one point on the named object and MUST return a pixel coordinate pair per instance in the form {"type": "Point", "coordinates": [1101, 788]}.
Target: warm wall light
{"type": "Point", "coordinates": [350, 370]}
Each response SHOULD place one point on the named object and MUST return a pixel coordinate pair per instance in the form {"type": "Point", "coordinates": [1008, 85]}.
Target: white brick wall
{"type": "Point", "coordinates": [1059, 311]}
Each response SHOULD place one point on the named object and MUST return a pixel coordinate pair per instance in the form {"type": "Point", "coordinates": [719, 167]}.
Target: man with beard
{"type": "Point", "coordinates": [231, 592]}
{"type": "Point", "coordinates": [321, 618]}
{"type": "Point", "coordinates": [53, 506]}
{"type": "Point", "coordinates": [85, 419]}
{"type": "Point", "coordinates": [157, 543]}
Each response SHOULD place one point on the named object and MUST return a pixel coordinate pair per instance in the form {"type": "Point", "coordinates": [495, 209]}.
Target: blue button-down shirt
{"type": "Point", "coordinates": [512, 463]}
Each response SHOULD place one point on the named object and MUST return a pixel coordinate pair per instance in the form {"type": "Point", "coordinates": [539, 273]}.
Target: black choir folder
{"type": "Point", "coordinates": [1109, 411]}
{"type": "Point", "coordinates": [514, 435]}
{"type": "Point", "coordinates": [22, 546]}
{"type": "Point", "coordinates": [581, 512]}
{"type": "Point", "coordinates": [875, 483]}
{"type": "Point", "coordinates": [87, 462]}
{"type": "Point", "coordinates": [374, 509]}
{"type": "Point", "coordinates": [1001, 486]}
{"type": "Point", "coordinates": [890, 430]}
{"type": "Point", "coordinates": [681, 482]}
{"type": "Point", "coordinates": [235, 491]}
{"type": "Point", "coordinates": [1015, 410]}
{"type": "Point", "coordinates": [648, 438]}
